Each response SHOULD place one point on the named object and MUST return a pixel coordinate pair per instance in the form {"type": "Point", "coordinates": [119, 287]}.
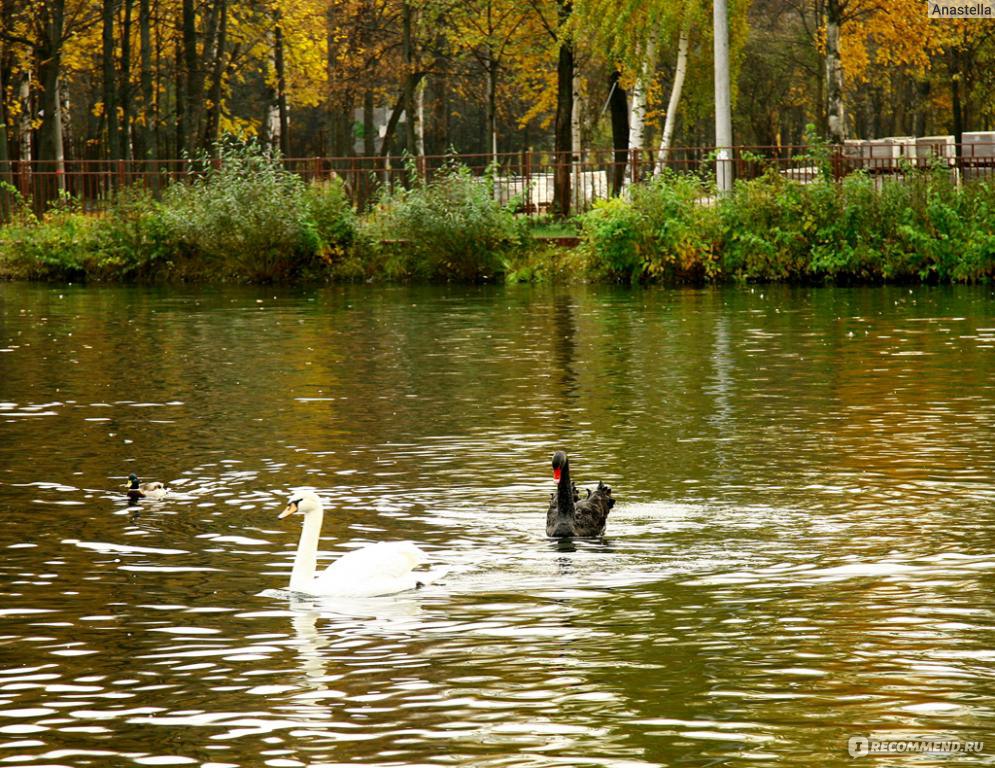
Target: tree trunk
{"type": "Point", "coordinates": [637, 123]}
{"type": "Point", "coordinates": [420, 117]}
{"type": "Point", "coordinates": [212, 128]}
{"type": "Point", "coordinates": [49, 55]}
{"type": "Point", "coordinates": [577, 118]}
{"type": "Point", "coordinates": [680, 71]}
{"type": "Point", "coordinates": [955, 100]}
{"type": "Point", "coordinates": [392, 121]}
{"type": "Point", "coordinates": [441, 120]}
{"type": "Point", "coordinates": [181, 104]}
{"type": "Point", "coordinates": [24, 98]}
{"type": "Point", "coordinates": [110, 86]}
{"type": "Point", "coordinates": [619, 107]}
{"type": "Point", "coordinates": [281, 86]}
{"type": "Point", "coordinates": [143, 136]}
{"type": "Point", "coordinates": [125, 100]}
{"type": "Point", "coordinates": [191, 100]}
{"type": "Point", "coordinates": [5, 174]}
{"type": "Point", "coordinates": [562, 129]}
{"type": "Point", "coordinates": [834, 73]}
{"type": "Point", "coordinates": [491, 72]}
{"type": "Point", "coordinates": [408, 88]}
{"type": "Point", "coordinates": [369, 125]}
{"type": "Point", "coordinates": [920, 127]}
{"type": "Point", "coordinates": [66, 131]}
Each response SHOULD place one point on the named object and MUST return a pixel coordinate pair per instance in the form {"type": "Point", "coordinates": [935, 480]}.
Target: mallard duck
{"type": "Point", "coordinates": [136, 490]}
{"type": "Point", "coordinates": [570, 516]}
{"type": "Point", "coordinates": [378, 569]}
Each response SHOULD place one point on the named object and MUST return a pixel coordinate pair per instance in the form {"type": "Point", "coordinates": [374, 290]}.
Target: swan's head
{"type": "Point", "coordinates": [559, 462]}
{"type": "Point", "coordinates": [304, 502]}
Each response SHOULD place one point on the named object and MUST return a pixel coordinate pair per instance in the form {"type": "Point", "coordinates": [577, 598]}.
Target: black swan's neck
{"type": "Point", "coordinates": [565, 492]}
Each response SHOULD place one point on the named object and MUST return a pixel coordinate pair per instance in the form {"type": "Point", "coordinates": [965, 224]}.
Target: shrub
{"type": "Point", "coordinates": [921, 227]}
{"type": "Point", "coordinates": [243, 215]}
{"type": "Point", "coordinates": [449, 227]}
{"type": "Point", "coordinates": [129, 240]}
{"type": "Point", "coordinates": [665, 230]}
{"type": "Point", "coordinates": [330, 216]}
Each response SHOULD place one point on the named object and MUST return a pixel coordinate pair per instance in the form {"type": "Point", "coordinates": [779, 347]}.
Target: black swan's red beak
{"type": "Point", "coordinates": [556, 474]}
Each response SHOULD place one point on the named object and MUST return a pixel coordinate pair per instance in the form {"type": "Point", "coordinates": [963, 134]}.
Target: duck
{"type": "Point", "coordinates": [569, 516]}
{"type": "Point", "coordinates": [379, 569]}
{"type": "Point", "coordinates": [137, 490]}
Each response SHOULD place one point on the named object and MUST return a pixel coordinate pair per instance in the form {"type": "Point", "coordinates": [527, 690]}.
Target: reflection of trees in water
{"type": "Point", "coordinates": [721, 414]}
{"type": "Point", "coordinates": [565, 346]}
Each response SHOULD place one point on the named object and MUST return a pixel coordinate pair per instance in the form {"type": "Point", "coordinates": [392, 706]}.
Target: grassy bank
{"type": "Point", "coordinates": [247, 220]}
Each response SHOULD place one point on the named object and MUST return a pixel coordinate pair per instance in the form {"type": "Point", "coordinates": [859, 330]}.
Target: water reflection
{"type": "Point", "coordinates": [802, 550]}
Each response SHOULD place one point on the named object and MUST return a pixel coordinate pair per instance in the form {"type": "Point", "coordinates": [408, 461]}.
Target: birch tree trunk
{"type": "Point", "coordinates": [640, 89]}
{"type": "Point", "coordinates": [419, 117]}
{"type": "Point", "coordinates": [281, 87]}
{"type": "Point", "coordinates": [834, 73]}
{"type": "Point", "coordinates": [408, 88]}
{"type": "Point", "coordinates": [680, 71]}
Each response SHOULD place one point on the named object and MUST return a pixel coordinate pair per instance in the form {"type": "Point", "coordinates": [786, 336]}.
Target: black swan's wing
{"type": "Point", "coordinates": [592, 512]}
{"type": "Point", "coordinates": [551, 515]}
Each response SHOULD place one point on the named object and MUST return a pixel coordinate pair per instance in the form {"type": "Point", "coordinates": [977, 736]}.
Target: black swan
{"type": "Point", "coordinates": [570, 516]}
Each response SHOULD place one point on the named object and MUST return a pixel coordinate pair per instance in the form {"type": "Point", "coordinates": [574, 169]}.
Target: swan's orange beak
{"type": "Point", "coordinates": [556, 474]}
{"type": "Point", "coordinates": [289, 510]}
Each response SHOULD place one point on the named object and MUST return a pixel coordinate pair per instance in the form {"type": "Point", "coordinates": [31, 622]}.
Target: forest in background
{"type": "Point", "coordinates": [153, 79]}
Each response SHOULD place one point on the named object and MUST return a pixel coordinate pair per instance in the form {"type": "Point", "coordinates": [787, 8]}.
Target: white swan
{"type": "Point", "coordinates": [378, 569]}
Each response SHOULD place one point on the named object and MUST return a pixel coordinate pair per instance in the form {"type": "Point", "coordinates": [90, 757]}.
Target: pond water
{"type": "Point", "coordinates": [803, 548]}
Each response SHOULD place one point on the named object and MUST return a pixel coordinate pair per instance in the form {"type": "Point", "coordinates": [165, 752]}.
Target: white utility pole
{"type": "Point", "coordinates": [723, 105]}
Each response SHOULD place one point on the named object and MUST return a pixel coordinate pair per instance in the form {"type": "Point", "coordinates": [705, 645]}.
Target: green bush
{"type": "Point", "coordinates": [330, 216]}
{"type": "Point", "coordinates": [667, 230]}
{"type": "Point", "coordinates": [242, 215]}
{"type": "Point", "coordinates": [128, 240]}
{"type": "Point", "coordinates": [447, 228]}
{"type": "Point", "coordinates": [921, 228]}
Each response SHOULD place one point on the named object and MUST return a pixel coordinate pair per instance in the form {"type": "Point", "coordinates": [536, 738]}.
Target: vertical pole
{"type": "Point", "coordinates": [723, 106]}
{"type": "Point", "coordinates": [527, 179]}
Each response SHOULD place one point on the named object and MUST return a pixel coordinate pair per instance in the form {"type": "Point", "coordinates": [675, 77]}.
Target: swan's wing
{"type": "Point", "coordinates": [592, 512]}
{"type": "Point", "coordinates": [381, 562]}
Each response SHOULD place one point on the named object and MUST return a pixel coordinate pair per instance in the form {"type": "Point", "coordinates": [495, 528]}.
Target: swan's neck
{"type": "Point", "coordinates": [307, 552]}
{"type": "Point", "coordinates": [565, 492]}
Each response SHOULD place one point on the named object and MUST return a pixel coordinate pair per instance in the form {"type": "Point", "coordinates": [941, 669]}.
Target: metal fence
{"type": "Point", "coordinates": [527, 180]}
